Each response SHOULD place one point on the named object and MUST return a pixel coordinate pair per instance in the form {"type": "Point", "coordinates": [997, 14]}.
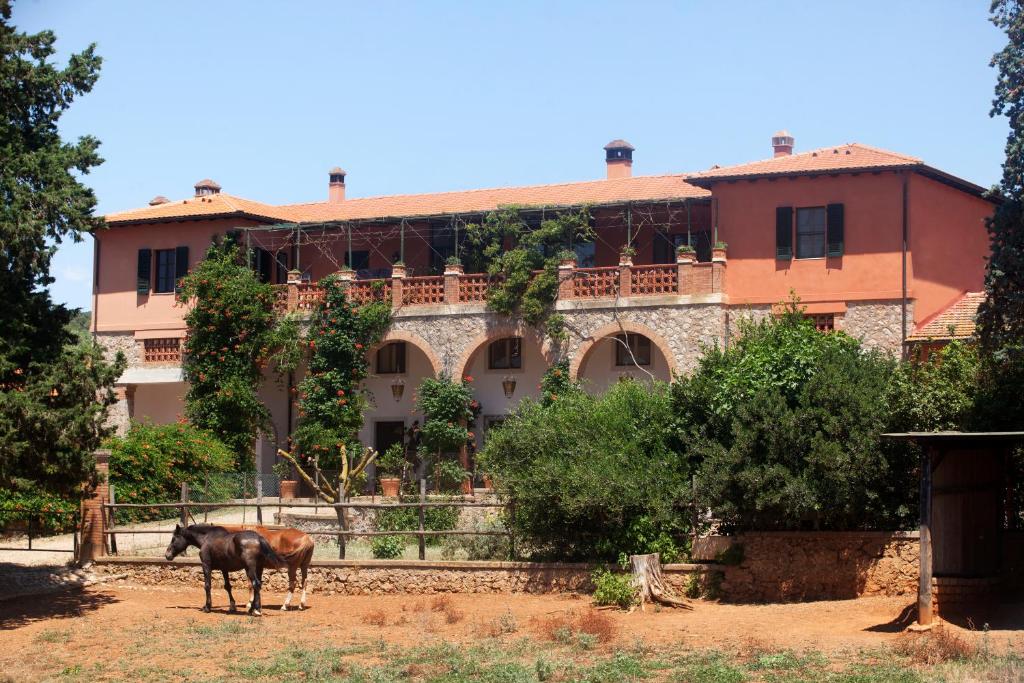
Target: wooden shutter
{"type": "Point", "coordinates": [834, 232]}
{"type": "Point", "coordinates": [180, 266]}
{"type": "Point", "coordinates": [145, 271]}
{"type": "Point", "coordinates": [784, 232]}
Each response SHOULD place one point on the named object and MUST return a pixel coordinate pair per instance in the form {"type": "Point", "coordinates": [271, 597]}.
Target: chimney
{"type": "Point", "coordinates": [336, 187]}
{"type": "Point", "coordinates": [206, 187]}
{"type": "Point", "coordinates": [619, 159]}
{"type": "Point", "coordinates": [158, 200]}
{"type": "Point", "coordinates": [782, 143]}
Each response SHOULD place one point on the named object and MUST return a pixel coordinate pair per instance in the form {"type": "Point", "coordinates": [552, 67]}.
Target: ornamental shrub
{"type": "Point", "coordinates": [149, 464]}
{"type": "Point", "coordinates": [19, 509]}
{"type": "Point", "coordinates": [387, 547]}
{"type": "Point", "coordinates": [449, 410]}
{"type": "Point", "coordinates": [331, 401]}
{"type": "Point", "coordinates": [593, 476]}
{"type": "Point", "coordinates": [613, 590]}
{"type": "Point", "coordinates": [783, 430]}
{"type": "Point", "coordinates": [407, 519]}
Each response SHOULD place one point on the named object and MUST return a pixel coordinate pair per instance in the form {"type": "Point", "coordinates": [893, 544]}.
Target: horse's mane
{"type": "Point", "coordinates": [205, 528]}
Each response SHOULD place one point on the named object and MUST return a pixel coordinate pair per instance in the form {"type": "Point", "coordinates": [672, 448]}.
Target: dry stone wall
{"type": "Point", "coordinates": [877, 323]}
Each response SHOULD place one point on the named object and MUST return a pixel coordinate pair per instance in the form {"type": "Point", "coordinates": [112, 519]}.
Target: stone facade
{"type": "Point", "coordinates": [795, 566]}
{"type": "Point", "coordinates": [877, 323]}
{"type": "Point", "coordinates": [389, 577]}
{"type": "Point", "coordinates": [125, 342]}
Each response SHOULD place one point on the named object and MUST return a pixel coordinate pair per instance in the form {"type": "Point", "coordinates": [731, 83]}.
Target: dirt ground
{"type": "Point", "coordinates": [95, 626]}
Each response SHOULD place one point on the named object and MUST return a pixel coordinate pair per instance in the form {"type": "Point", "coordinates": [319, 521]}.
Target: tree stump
{"type": "Point", "coordinates": [650, 586]}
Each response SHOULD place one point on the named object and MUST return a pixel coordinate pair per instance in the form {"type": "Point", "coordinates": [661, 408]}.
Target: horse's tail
{"type": "Point", "coordinates": [271, 558]}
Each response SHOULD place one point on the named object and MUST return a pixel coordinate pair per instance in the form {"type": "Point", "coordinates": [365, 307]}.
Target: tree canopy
{"type": "Point", "coordinates": [53, 392]}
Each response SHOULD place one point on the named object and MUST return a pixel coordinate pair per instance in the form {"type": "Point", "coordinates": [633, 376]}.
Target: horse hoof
{"type": "Point", "coordinates": [284, 608]}
{"type": "Point", "coordinates": [232, 610]}
{"type": "Point", "coordinates": [206, 609]}
{"type": "Point", "coordinates": [257, 613]}
{"type": "Point", "coordinates": [302, 607]}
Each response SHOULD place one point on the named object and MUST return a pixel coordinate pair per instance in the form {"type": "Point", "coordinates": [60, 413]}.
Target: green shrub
{"type": "Point", "coordinates": [149, 464]}
{"type": "Point", "coordinates": [407, 519]}
{"type": "Point", "coordinates": [479, 547]}
{"type": "Point", "coordinates": [391, 462]}
{"type": "Point", "coordinates": [592, 477]}
{"type": "Point", "coordinates": [612, 589]}
{"type": "Point", "coordinates": [20, 510]}
{"type": "Point", "coordinates": [387, 547]}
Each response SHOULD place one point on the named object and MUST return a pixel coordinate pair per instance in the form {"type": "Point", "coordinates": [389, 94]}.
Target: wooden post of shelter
{"type": "Point", "coordinates": [113, 537]}
{"type": "Point", "coordinates": [422, 511]}
{"type": "Point", "coordinates": [924, 585]}
{"type": "Point", "coordinates": [259, 500]}
{"type": "Point", "coordinates": [184, 504]}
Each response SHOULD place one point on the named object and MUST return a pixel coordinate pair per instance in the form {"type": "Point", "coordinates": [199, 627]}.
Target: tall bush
{"type": "Point", "coordinates": [593, 476]}
{"type": "Point", "coordinates": [784, 430]}
{"type": "Point", "coordinates": [150, 462]}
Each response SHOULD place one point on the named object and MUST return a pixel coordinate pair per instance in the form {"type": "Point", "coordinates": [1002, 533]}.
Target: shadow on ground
{"type": "Point", "coordinates": [75, 602]}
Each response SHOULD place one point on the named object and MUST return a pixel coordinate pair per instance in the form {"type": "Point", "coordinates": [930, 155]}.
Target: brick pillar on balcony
{"type": "Point", "coordinates": [718, 273]}
{"type": "Point", "coordinates": [684, 274]}
{"type": "Point", "coordinates": [397, 275]}
{"type": "Point", "coordinates": [294, 278]}
{"type": "Point", "coordinates": [92, 539]}
{"type": "Point", "coordinates": [625, 278]}
{"type": "Point", "coordinates": [452, 273]}
{"type": "Point", "coordinates": [566, 269]}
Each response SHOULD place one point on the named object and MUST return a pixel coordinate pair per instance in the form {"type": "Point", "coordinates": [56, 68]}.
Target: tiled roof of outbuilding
{"type": "Point", "coordinates": [955, 322]}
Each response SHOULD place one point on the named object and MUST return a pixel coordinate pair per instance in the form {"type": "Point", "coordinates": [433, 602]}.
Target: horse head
{"type": "Point", "coordinates": [179, 543]}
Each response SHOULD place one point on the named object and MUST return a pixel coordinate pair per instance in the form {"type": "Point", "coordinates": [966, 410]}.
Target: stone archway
{"type": "Point", "coordinates": [586, 348]}
{"type": "Point", "coordinates": [414, 339]}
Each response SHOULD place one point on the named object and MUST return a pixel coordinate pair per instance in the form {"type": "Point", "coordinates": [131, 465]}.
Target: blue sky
{"type": "Point", "coordinates": [419, 97]}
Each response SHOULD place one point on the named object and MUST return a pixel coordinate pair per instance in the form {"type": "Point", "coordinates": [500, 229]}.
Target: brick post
{"type": "Point", "coordinates": [684, 273]}
{"type": "Point", "coordinates": [397, 275]}
{"type": "Point", "coordinates": [717, 276]}
{"type": "Point", "coordinates": [294, 277]}
{"type": "Point", "coordinates": [452, 273]}
{"type": "Point", "coordinates": [565, 276]}
{"type": "Point", "coordinates": [625, 277]}
{"type": "Point", "coordinates": [93, 541]}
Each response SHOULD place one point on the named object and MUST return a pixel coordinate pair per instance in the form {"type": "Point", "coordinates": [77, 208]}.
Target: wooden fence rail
{"type": "Point", "coordinates": [340, 534]}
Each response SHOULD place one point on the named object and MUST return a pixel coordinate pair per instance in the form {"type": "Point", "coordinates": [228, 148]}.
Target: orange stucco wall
{"type": "Point", "coordinates": [947, 240]}
{"type": "Point", "coordinates": [116, 305]}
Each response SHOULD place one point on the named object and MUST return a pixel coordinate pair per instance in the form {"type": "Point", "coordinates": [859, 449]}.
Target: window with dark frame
{"type": "Point", "coordinates": [810, 232]}
{"type": "Point", "coordinates": [391, 359]}
{"type": "Point", "coordinates": [585, 254]}
{"type": "Point", "coordinates": [823, 322]}
{"type": "Point", "coordinates": [165, 271]}
{"type": "Point", "coordinates": [505, 354]}
{"type": "Point", "coordinates": [632, 350]}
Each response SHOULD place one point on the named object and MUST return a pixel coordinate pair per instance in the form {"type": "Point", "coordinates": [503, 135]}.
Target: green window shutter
{"type": "Point", "coordinates": [834, 232]}
{"type": "Point", "coordinates": [145, 271]}
{"type": "Point", "coordinates": [180, 266]}
{"type": "Point", "coordinates": [784, 232]}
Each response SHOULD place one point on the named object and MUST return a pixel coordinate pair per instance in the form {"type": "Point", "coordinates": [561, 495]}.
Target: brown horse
{"type": "Point", "coordinates": [294, 546]}
{"type": "Point", "coordinates": [228, 552]}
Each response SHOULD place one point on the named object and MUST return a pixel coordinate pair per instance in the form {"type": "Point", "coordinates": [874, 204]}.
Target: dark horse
{"type": "Point", "coordinates": [228, 552]}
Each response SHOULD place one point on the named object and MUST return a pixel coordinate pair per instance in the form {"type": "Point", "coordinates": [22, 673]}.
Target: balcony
{"type": "Point", "coordinates": [685, 278]}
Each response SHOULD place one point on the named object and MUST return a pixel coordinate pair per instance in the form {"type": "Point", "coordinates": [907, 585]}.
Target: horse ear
{"type": "Point", "coordinates": [177, 527]}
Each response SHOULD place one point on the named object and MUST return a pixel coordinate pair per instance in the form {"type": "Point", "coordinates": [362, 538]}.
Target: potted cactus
{"type": "Point", "coordinates": [390, 465]}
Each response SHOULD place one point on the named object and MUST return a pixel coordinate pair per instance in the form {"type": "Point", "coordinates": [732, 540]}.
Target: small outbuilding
{"type": "Point", "coordinates": [971, 545]}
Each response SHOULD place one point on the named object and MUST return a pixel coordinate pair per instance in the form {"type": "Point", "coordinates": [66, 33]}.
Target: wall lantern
{"type": "Point", "coordinates": [398, 388]}
{"type": "Point", "coordinates": [508, 385]}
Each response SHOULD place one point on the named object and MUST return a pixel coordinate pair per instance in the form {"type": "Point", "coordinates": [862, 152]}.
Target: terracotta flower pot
{"type": "Point", "coordinates": [289, 489]}
{"type": "Point", "coordinates": [488, 482]}
{"type": "Point", "coordinates": [389, 486]}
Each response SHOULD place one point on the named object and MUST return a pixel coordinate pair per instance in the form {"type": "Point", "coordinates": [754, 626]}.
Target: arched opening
{"type": "Point", "coordinates": [622, 355]}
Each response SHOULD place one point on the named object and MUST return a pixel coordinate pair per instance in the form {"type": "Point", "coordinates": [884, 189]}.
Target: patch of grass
{"type": "Point", "coordinates": [709, 667]}
{"type": "Point", "coordinates": [54, 635]}
{"type": "Point", "coordinates": [225, 629]}
{"type": "Point", "coordinates": [308, 664]}
{"type": "Point", "coordinates": [503, 625]}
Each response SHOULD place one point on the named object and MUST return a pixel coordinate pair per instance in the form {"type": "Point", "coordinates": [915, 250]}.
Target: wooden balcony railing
{"type": "Point", "coordinates": [686, 277]}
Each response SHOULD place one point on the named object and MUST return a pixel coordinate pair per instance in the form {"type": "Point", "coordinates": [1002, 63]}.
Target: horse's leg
{"type": "Point", "coordinates": [227, 587]}
{"type": "Point", "coordinates": [291, 588]}
{"type": "Point", "coordinates": [207, 578]}
{"type": "Point", "coordinates": [254, 582]}
{"type": "Point", "coordinates": [302, 600]}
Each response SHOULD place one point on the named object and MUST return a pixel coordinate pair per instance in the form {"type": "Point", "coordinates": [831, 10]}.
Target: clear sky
{"type": "Point", "coordinates": [264, 97]}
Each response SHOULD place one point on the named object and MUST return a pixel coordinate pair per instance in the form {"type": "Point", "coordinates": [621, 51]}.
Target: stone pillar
{"type": "Point", "coordinates": [294, 278]}
{"type": "Point", "coordinates": [93, 541]}
{"type": "Point", "coordinates": [452, 272]}
{"type": "Point", "coordinates": [119, 415]}
{"type": "Point", "coordinates": [565, 276]}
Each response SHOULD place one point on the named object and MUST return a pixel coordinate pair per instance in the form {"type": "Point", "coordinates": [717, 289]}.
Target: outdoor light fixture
{"type": "Point", "coordinates": [508, 385]}
{"type": "Point", "coordinates": [398, 388]}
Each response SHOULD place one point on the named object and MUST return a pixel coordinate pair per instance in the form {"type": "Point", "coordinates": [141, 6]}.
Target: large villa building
{"type": "Point", "coordinates": [874, 243]}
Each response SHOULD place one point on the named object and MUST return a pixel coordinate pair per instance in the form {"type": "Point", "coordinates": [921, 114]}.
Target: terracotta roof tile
{"type": "Point", "coordinates": [207, 206]}
{"type": "Point", "coordinates": [849, 157]}
{"type": "Point", "coordinates": [955, 322]}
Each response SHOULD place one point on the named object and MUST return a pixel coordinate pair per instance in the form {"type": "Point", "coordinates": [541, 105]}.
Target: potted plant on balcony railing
{"type": "Point", "coordinates": [626, 255]}
{"type": "Point", "coordinates": [685, 254]}
{"type": "Point", "coordinates": [398, 269]}
{"type": "Point", "coordinates": [453, 266]}
{"type": "Point", "coordinates": [567, 258]}
{"type": "Point", "coordinates": [390, 466]}
{"type": "Point", "coordinates": [718, 252]}
{"type": "Point", "coordinates": [346, 273]}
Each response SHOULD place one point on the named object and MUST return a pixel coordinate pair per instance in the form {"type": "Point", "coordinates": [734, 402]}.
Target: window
{"type": "Point", "coordinates": [360, 260]}
{"type": "Point", "coordinates": [505, 354]}
{"type": "Point", "coordinates": [823, 322]}
{"type": "Point", "coordinates": [632, 350]}
{"type": "Point", "coordinates": [584, 254]}
{"type": "Point", "coordinates": [391, 359]}
{"type": "Point", "coordinates": [165, 271]}
{"type": "Point", "coordinates": [810, 232]}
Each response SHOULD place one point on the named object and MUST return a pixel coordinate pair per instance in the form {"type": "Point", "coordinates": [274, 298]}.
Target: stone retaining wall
{"type": "Point", "coordinates": [371, 577]}
{"type": "Point", "coordinates": [793, 566]}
